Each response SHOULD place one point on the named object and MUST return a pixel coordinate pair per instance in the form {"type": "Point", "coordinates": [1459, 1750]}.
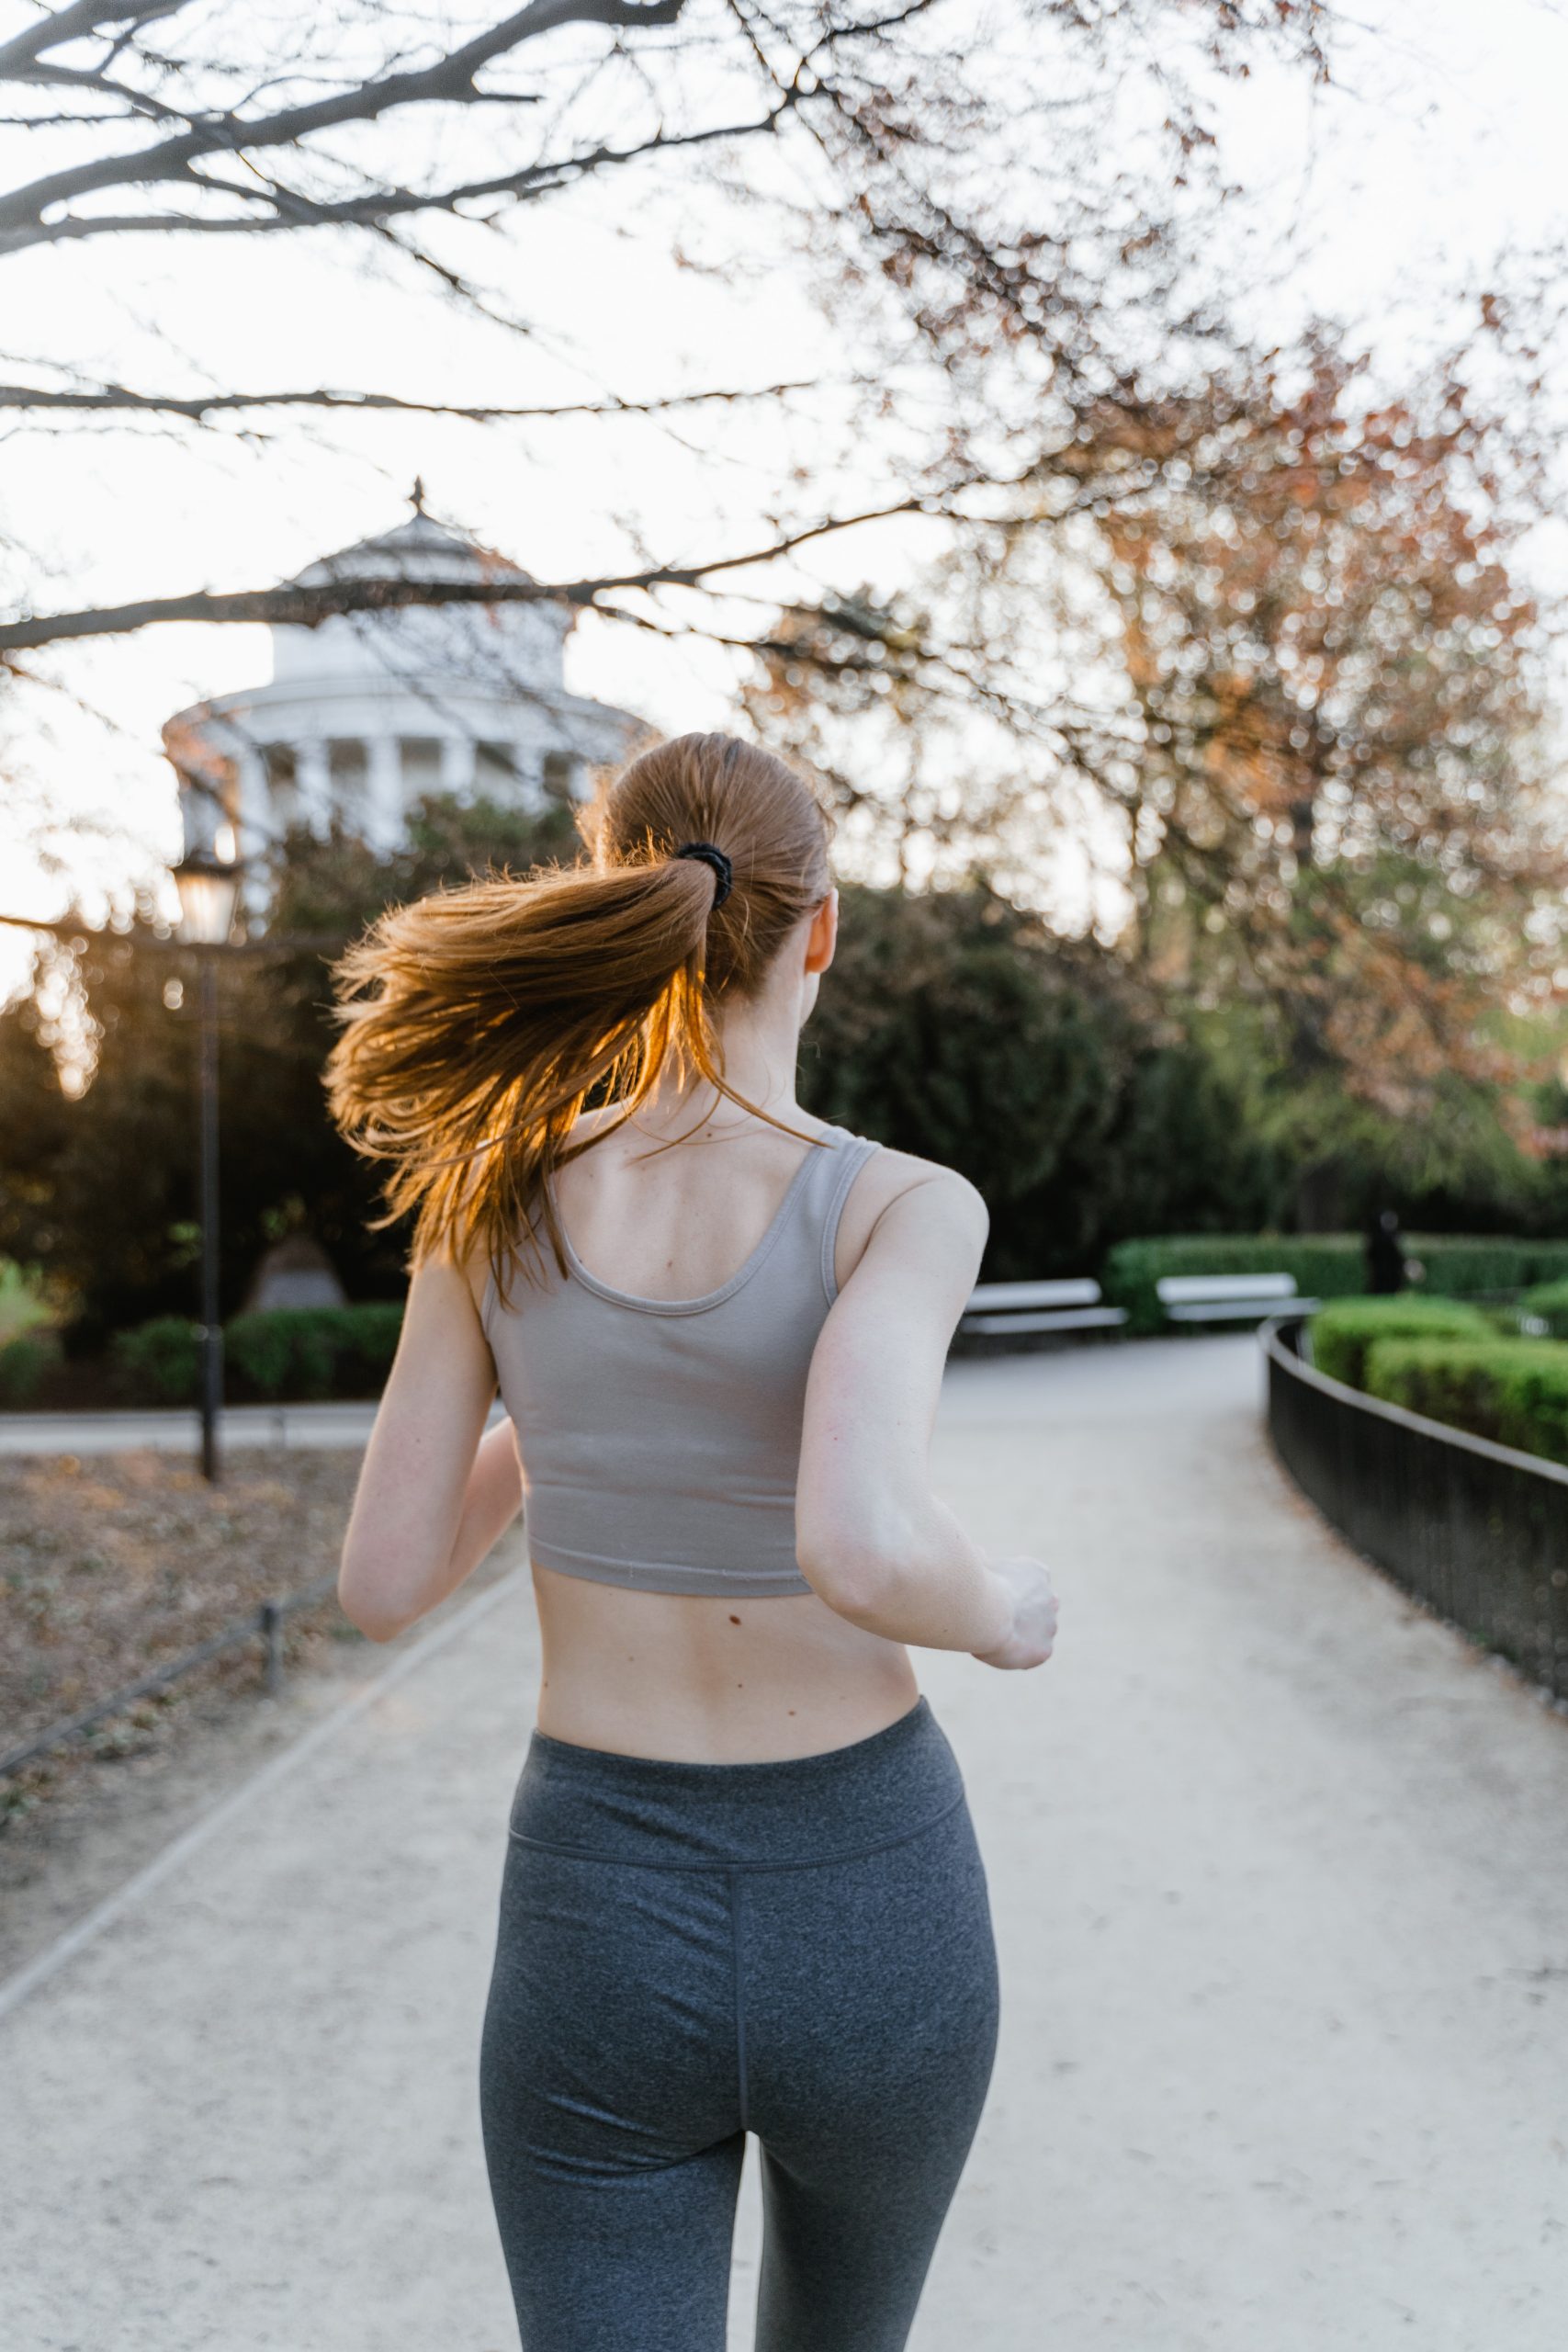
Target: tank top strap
{"type": "Point", "coordinates": [832, 1168]}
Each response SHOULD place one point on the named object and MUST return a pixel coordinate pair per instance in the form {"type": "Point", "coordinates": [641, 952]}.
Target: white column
{"type": "Point", "coordinates": [256, 828]}
{"type": "Point", "coordinates": [253, 814]}
{"type": "Point", "coordinates": [383, 791]}
{"type": "Point", "coordinates": [529, 760]}
{"type": "Point", "coordinates": [457, 764]}
{"type": "Point", "coordinates": [313, 781]}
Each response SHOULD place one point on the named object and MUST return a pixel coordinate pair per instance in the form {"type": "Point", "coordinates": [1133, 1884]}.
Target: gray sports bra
{"type": "Point", "coordinates": [659, 1439]}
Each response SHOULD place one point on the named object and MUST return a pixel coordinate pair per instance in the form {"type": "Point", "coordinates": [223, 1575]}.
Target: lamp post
{"type": "Point", "coordinates": [209, 887]}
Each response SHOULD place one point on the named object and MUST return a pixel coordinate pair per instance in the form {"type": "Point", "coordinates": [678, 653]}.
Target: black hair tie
{"type": "Point", "coordinates": [709, 854]}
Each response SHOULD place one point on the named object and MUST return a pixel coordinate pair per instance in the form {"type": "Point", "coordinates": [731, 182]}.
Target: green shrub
{"type": "Point", "coordinates": [1546, 1303]}
{"type": "Point", "coordinates": [259, 1350]}
{"type": "Point", "coordinates": [1327, 1265]}
{"type": "Point", "coordinates": [292, 1351]}
{"type": "Point", "coordinates": [1515, 1391]}
{"type": "Point", "coordinates": [315, 1351]}
{"type": "Point", "coordinates": [295, 1352]}
{"type": "Point", "coordinates": [159, 1362]}
{"type": "Point", "coordinates": [25, 1364]}
{"type": "Point", "coordinates": [1348, 1327]}
{"type": "Point", "coordinates": [22, 1305]}
{"type": "Point", "coordinates": [1459, 1265]}
{"type": "Point", "coordinates": [371, 1341]}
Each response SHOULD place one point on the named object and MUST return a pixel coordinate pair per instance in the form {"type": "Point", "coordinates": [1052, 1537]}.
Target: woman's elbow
{"type": "Point", "coordinates": [369, 1606]}
{"type": "Point", "coordinates": [858, 1580]}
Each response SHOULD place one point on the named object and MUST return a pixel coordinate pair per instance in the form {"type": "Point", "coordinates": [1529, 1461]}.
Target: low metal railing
{"type": "Point", "coordinates": [1476, 1530]}
{"type": "Point", "coordinates": [263, 1623]}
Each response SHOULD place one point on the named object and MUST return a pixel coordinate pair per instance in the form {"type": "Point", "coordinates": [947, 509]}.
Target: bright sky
{"type": "Point", "coordinates": [1440, 146]}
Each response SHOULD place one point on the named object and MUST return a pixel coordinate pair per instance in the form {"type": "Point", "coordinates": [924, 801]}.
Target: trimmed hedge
{"type": "Point", "coordinates": [1461, 1265]}
{"type": "Point", "coordinates": [1346, 1329]}
{"type": "Point", "coordinates": [1326, 1265]}
{"type": "Point", "coordinates": [1515, 1391]}
{"type": "Point", "coordinates": [1330, 1265]}
{"type": "Point", "coordinates": [1547, 1304]}
{"type": "Point", "coordinates": [315, 1351]}
{"type": "Point", "coordinates": [159, 1362]}
{"type": "Point", "coordinates": [297, 1352]}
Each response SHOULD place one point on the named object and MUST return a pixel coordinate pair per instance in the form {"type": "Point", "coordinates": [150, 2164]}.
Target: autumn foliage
{"type": "Point", "coordinates": [1339, 808]}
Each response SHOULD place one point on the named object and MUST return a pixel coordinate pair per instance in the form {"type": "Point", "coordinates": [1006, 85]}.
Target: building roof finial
{"type": "Point", "coordinates": [416, 496]}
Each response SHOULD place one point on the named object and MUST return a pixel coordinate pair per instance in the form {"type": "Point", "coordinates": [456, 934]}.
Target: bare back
{"type": "Point", "coordinates": [701, 1677]}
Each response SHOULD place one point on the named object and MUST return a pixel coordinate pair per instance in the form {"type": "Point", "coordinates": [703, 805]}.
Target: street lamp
{"type": "Point", "coordinates": [208, 889]}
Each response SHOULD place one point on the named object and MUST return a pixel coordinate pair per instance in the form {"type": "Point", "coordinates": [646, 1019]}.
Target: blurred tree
{"type": "Point", "coordinates": [1267, 711]}
{"type": "Point", "coordinates": [1339, 807]}
{"type": "Point", "coordinates": [100, 1192]}
{"type": "Point", "coordinates": [955, 1028]}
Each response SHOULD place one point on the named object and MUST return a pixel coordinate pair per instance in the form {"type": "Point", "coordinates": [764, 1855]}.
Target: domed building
{"type": "Point", "coordinates": [368, 712]}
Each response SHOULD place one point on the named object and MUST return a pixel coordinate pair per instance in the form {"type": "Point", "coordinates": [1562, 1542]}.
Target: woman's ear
{"type": "Point", "coordinates": [823, 935]}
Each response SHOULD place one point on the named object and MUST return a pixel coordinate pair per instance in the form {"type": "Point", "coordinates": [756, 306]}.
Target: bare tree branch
{"type": "Point", "coordinates": [119, 399]}
{"type": "Point", "coordinates": [449, 79]}
{"type": "Point", "coordinates": [294, 210]}
{"type": "Point", "coordinates": [307, 608]}
{"type": "Point", "coordinates": [71, 24]}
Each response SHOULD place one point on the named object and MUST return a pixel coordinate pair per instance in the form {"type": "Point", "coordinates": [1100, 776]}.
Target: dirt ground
{"type": "Point", "coordinates": [112, 1566]}
{"type": "Point", "coordinates": [110, 1563]}
{"type": "Point", "coordinates": [109, 1566]}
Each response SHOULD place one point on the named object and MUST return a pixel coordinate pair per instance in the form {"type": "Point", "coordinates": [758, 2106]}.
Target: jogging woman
{"type": "Point", "coordinates": [742, 1892]}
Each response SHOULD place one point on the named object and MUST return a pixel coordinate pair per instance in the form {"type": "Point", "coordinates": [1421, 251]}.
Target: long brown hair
{"type": "Point", "coordinates": [477, 1022]}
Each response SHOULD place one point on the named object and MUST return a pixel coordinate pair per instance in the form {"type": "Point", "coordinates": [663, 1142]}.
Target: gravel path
{"type": "Point", "coordinates": [1278, 1870]}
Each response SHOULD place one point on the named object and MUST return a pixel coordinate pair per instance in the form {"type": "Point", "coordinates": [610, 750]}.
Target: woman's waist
{"type": "Point", "coordinates": [792, 1810]}
{"type": "Point", "coordinates": [729, 1677]}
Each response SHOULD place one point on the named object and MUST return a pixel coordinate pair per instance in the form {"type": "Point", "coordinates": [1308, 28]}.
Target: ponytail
{"type": "Point", "coordinates": [477, 1022]}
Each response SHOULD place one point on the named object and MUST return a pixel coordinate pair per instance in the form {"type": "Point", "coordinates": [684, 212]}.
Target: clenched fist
{"type": "Point", "coordinates": [1034, 1610]}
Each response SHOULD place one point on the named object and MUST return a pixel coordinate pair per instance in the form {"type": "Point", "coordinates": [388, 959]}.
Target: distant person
{"type": "Point", "coordinates": [1388, 1269]}
{"type": "Point", "coordinates": [742, 1892]}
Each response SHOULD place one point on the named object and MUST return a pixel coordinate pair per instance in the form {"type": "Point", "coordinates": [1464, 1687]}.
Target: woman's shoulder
{"type": "Point", "coordinates": [899, 1186]}
{"type": "Point", "coordinates": [888, 1175]}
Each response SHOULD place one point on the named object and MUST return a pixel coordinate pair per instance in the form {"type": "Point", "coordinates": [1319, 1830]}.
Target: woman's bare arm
{"type": "Point", "coordinates": [871, 1538]}
{"type": "Point", "coordinates": [434, 1492]}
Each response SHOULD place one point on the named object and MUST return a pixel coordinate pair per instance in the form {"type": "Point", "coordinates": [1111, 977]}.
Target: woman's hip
{"type": "Point", "coordinates": [796, 1812]}
{"type": "Point", "coordinates": [670, 1972]}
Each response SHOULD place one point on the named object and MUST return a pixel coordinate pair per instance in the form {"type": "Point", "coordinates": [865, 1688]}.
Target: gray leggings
{"type": "Point", "coordinates": [689, 1952]}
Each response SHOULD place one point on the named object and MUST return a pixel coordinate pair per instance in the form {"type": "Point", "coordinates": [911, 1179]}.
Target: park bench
{"type": "Point", "coordinates": [1229, 1298]}
{"type": "Point", "coordinates": [1017, 1311]}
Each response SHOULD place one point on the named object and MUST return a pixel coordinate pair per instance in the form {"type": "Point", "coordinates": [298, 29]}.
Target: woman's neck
{"type": "Point", "coordinates": [758, 1043]}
